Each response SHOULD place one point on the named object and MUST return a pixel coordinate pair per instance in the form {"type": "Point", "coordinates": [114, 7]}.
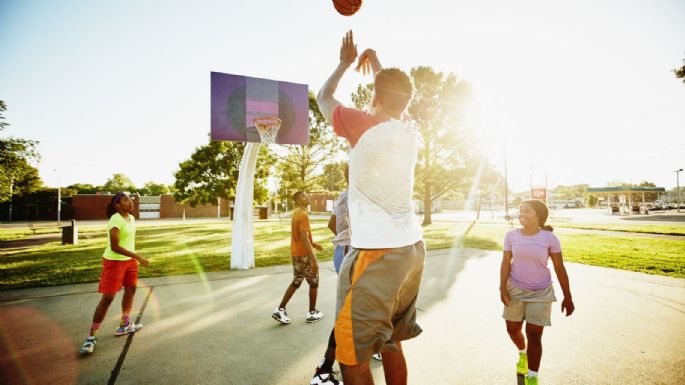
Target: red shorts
{"type": "Point", "coordinates": [118, 274]}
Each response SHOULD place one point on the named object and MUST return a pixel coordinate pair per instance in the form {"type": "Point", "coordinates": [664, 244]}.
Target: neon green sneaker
{"type": "Point", "coordinates": [531, 380]}
{"type": "Point", "coordinates": [522, 365]}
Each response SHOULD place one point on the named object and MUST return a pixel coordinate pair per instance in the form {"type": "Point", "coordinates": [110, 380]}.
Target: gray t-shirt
{"type": "Point", "coordinates": [342, 221]}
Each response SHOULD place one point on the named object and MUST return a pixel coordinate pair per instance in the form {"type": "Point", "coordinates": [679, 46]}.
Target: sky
{"type": "Point", "coordinates": [572, 92]}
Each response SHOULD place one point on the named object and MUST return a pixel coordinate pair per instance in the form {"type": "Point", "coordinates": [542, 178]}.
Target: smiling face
{"type": "Point", "coordinates": [527, 216]}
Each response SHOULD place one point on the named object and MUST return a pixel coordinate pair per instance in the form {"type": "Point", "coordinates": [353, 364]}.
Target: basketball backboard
{"type": "Point", "coordinates": [237, 100]}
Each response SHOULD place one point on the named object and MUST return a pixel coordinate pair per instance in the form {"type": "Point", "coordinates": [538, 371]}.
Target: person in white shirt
{"type": "Point", "coordinates": [380, 277]}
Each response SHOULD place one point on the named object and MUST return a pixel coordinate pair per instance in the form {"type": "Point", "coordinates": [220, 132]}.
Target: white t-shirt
{"type": "Point", "coordinates": [381, 187]}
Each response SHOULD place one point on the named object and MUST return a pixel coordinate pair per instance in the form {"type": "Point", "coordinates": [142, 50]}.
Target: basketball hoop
{"type": "Point", "coordinates": [268, 127]}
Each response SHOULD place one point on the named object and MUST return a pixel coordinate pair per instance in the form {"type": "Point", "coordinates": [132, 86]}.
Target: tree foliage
{"type": "Point", "coordinates": [680, 72]}
{"type": "Point", "coordinates": [153, 188]}
{"type": "Point", "coordinates": [300, 168]}
{"type": "Point", "coordinates": [16, 155]}
{"type": "Point", "coordinates": [212, 172]}
{"type": "Point", "coordinates": [81, 188]}
{"type": "Point", "coordinates": [333, 177]}
{"type": "Point", "coordinates": [571, 192]}
{"type": "Point", "coordinates": [447, 160]}
{"type": "Point", "coordinates": [119, 182]}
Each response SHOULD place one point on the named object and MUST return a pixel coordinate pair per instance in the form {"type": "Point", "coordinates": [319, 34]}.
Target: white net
{"type": "Point", "coordinates": [267, 126]}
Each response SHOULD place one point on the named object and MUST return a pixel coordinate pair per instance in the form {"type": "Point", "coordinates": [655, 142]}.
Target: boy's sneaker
{"type": "Point", "coordinates": [522, 365]}
{"type": "Point", "coordinates": [322, 378]}
{"type": "Point", "coordinates": [130, 328]}
{"type": "Point", "coordinates": [377, 357]}
{"type": "Point", "coordinates": [531, 380]}
{"type": "Point", "coordinates": [314, 316]}
{"type": "Point", "coordinates": [89, 345]}
{"type": "Point", "coordinates": [281, 316]}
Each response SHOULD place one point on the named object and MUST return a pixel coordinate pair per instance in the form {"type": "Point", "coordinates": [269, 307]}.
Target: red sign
{"type": "Point", "coordinates": [539, 193]}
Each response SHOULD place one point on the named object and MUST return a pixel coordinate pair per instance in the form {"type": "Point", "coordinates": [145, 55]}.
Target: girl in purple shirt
{"type": "Point", "coordinates": [526, 284]}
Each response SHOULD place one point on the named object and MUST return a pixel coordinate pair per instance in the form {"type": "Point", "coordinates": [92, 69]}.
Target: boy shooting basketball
{"type": "Point", "coordinates": [380, 278]}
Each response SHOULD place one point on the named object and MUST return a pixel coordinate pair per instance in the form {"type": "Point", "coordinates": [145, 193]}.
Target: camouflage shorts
{"type": "Point", "coordinates": [302, 270]}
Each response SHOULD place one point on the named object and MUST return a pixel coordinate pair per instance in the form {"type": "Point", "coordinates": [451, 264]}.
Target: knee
{"type": "Point", "coordinates": [534, 336]}
{"type": "Point", "coordinates": [107, 299]}
{"type": "Point", "coordinates": [130, 290]}
{"type": "Point", "coordinates": [513, 329]}
{"type": "Point", "coordinates": [313, 286]}
{"type": "Point", "coordinates": [295, 285]}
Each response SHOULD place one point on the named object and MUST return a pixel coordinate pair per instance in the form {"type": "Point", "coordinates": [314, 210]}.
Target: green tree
{"type": "Point", "coordinates": [300, 168]}
{"type": "Point", "coordinates": [82, 188]}
{"type": "Point", "coordinates": [645, 183]}
{"type": "Point", "coordinates": [571, 192]}
{"type": "Point", "coordinates": [680, 72]}
{"type": "Point", "coordinates": [333, 177]}
{"type": "Point", "coordinates": [16, 172]}
{"type": "Point", "coordinates": [152, 188]}
{"type": "Point", "coordinates": [212, 172]}
{"type": "Point", "coordinates": [119, 182]}
{"type": "Point", "coordinates": [447, 158]}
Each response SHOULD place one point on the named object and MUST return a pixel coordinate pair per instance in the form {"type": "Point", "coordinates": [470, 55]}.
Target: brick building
{"type": "Point", "coordinates": [93, 206]}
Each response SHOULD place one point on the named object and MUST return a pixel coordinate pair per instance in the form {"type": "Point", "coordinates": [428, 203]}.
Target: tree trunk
{"type": "Point", "coordinates": [427, 204]}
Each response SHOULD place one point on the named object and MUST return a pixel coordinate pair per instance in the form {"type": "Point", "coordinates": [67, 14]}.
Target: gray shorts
{"type": "Point", "coordinates": [534, 307]}
{"type": "Point", "coordinates": [377, 292]}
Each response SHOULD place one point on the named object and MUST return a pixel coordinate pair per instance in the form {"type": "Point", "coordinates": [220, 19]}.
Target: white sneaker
{"type": "Point", "coordinates": [281, 316]}
{"type": "Point", "coordinates": [130, 328]}
{"type": "Point", "coordinates": [314, 316]}
{"type": "Point", "coordinates": [377, 356]}
{"type": "Point", "coordinates": [321, 378]}
{"type": "Point", "coordinates": [89, 345]}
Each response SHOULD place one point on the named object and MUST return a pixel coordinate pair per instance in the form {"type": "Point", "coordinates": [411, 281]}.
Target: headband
{"type": "Point", "coordinates": [117, 197]}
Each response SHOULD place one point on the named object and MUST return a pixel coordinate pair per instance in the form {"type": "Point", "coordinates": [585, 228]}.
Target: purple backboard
{"type": "Point", "coordinates": [237, 100]}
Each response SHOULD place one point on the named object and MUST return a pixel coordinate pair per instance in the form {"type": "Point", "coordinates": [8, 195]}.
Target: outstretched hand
{"type": "Point", "coordinates": [348, 50]}
{"type": "Point", "coordinates": [368, 62]}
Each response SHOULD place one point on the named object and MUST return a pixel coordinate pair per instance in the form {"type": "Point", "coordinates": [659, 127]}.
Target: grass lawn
{"type": "Point", "coordinates": [203, 247]}
{"type": "Point", "coordinates": [629, 228]}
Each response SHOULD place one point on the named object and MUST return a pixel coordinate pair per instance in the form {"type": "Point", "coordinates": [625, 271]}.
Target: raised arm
{"type": "Point", "coordinates": [368, 62]}
{"type": "Point", "coordinates": [326, 98]}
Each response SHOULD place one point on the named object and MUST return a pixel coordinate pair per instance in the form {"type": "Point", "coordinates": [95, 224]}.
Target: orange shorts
{"type": "Point", "coordinates": [118, 274]}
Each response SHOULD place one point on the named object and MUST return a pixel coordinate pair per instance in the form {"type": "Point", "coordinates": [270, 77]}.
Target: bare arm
{"type": "Point", "coordinates": [331, 224]}
{"type": "Point", "coordinates": [114, 245]}
{"type": "Point", "coordinates": [304, 234]}
{"type": "Point", "coordinates": [326, 98]}
{"type": "Point", "coordinates": [504, 270]}
{"type": "Point", "coordinates": [562, 276]}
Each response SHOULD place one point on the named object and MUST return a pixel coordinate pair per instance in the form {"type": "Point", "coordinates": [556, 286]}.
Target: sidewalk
{"type": "Point", "coordinates": [216, 329]}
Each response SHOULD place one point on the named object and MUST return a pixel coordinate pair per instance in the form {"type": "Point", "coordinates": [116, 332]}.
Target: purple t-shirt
{"type": "Point", "coordinates": [529, 269]}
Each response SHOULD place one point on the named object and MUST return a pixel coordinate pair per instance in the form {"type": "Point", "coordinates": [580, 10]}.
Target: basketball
{"type": "Point", "coordinates": [347, 7]}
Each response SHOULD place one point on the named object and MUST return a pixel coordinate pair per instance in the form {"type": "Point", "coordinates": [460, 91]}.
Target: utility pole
{"type": "Point", "coordinates": [59, 199]}
{"type": "Point", "coordinates": [677, 182]}
{"type": "Point", "coordinates": [506, 186]}
{"type": "Point", "coordinates": [11, 195]}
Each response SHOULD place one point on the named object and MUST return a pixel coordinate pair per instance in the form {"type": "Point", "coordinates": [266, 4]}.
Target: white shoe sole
{"type": "Point", "coordinates": [135, 329]}
{"type": "Point", "coordinates": [280, 320]}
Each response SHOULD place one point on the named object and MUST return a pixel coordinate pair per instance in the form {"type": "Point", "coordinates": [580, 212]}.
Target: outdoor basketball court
{"type": "Point", "coordinates": [217, 329]}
